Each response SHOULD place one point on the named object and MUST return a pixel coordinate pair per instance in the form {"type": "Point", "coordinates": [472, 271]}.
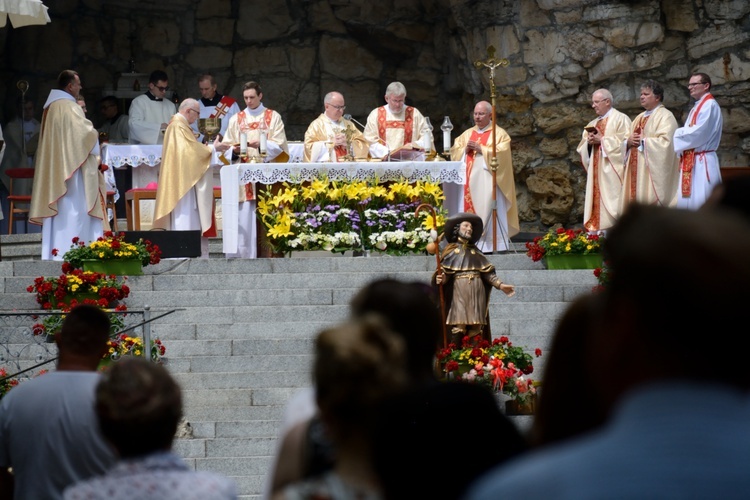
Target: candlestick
{"type": "Point", "coordinates": [446, 127]}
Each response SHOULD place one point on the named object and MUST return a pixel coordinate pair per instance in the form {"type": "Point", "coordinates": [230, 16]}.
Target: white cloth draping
{"type": "Point", "coordinates": [446, 172]}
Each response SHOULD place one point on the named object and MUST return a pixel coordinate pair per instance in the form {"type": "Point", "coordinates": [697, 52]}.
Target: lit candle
{"type": "Point", "coordinates": [243, 144]}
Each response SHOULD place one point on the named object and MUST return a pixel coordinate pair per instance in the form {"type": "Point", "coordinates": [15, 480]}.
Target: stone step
{"type": "Point", "coordinates": [240, 341]}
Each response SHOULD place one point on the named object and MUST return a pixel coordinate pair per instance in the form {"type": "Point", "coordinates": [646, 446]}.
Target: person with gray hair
{"type": "Point", "coordinates": [602, 151]}
{"type": "Point", "coordinates": [185, 193]}
{"type": "Point", "coordinates": [396, 125]}
{"type": "Point", "coordinates": [332, 130]}
{"type": "Point", "coordinates": [138, 407]}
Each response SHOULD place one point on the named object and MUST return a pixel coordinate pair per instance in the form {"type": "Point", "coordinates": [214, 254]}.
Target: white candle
{"type": "Point", "coordinates": [263, 142]}
{"type": "Point", "coordinates": [446, 140]}
{"type": "Point", "coordinates": [243, 144]}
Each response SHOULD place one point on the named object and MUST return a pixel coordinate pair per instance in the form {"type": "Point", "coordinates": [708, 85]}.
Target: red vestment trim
{"type": "Point", "coordinates": [407, 124]}
{"type": "Point", "coordinates": [687, 158]}
{"type": "Point", "coordinates": [481, 138]}
{"type": "Point", "coordinates": [594, 222]}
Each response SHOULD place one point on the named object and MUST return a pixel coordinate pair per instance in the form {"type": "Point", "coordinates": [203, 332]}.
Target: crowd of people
{"type": "Point", "coordinates": [649, 159]}
{"type": "Point", "coordinates": [662, 418]}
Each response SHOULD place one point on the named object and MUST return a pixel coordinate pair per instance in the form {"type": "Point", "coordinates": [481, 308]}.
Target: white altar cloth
{"type": "Point", "coordinates": [134, 155]}
{"type": "Point", "coordinates": [232, 176]}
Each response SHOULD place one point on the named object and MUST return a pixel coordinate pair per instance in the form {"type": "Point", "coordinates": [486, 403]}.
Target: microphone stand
{"type": "Point", "coordinates": [351, 119]}
{"type": "Point", "coordinates": [491, 63]}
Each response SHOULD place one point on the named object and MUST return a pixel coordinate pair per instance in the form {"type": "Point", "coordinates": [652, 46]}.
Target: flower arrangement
{"type": "Point", "coordinates": [126, 345]}
{"type": "Point", "coordinates": [78, 287]}
{"type": "Point", "coordinates": [111, 246]}
{"type": "Point", "coordinates": [499, 365]}
{"type": "Point", "coordinates": [6, 384]}
{"type": "Point", "coordinates": [564, 242]}
{"type": "Point", "coordinates": [50, 324]}
{"type": "Point", "coordinates": [603, 275]}
{"type": "Point", "coordinates": [359, 216]}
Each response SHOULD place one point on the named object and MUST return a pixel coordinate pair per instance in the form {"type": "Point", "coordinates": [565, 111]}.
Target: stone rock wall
{"type": "Point", "coordinates": [559, 52]}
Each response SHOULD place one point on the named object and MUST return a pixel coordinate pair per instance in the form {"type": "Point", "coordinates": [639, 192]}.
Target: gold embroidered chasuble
{"type": "Point", "coordinates": [322, 129]}
{"type": "Point", "coordinates": [66, 141]}
{"type": "Point", "coordinates": [185, 163]}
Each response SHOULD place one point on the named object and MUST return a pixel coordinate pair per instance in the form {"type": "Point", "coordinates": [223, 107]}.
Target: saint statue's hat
{"type": "Point", "coordinates": [451, 227]}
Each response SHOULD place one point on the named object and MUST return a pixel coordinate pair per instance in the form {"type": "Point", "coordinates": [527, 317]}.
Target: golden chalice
{"type": "Point", "coordinates": [210, 128]}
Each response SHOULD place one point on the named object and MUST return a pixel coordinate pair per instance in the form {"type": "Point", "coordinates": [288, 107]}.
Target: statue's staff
{"type": "Point", "coordinates": [491, 63]}
{"type": "Point", "coordinates": [436, 239]}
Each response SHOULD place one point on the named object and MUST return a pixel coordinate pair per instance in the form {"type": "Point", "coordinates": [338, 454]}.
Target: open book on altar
{"type": "Point", "coordinates": [406, 153]}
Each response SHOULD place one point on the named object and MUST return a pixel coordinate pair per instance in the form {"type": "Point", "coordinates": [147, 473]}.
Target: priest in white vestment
{"type": "Point", "coordinates": [247, 125]}
{"type": "Point", "coordinates": [696, 143]}
{"type": "Point", "coordinates": [395, 125]}
{"type": "Point", "coordinates": [325, 138]}
{"type": "Point", "coordinates": [652, 170]}
{"type": "Point", "coordinates": [215, 105]}
{"type": "Point", "coordinates": [185, 193]}
{"type": "Point", "coordinates": [602, 151]}
{"type": "Point", "coordinates": [474, 149]}
{"type": "Point", "coordinates": [68, 193]}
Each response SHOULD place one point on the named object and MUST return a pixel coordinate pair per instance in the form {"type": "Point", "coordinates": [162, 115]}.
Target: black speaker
{"type": "Point", "coordinates": [172, 243]}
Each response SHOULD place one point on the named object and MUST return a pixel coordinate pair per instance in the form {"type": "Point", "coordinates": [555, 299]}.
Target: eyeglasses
{"type": "Point", "coordinates": [691, 85]}
{"type": "Point", "coordinates": [163, 89]}
{"type": "Point", "coordinates": [339, 108]}
{"type": "Point", "coordinates": [197, 112]}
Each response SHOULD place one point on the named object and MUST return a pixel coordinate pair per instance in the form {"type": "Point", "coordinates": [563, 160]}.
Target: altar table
{"type": "Point", "coordinates": [232, 176]}
{"type": "Point", "coordinates": [134, 155]}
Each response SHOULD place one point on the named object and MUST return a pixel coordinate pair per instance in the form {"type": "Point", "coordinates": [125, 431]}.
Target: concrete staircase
{"type": "Point", "coordinates": [240, 343]}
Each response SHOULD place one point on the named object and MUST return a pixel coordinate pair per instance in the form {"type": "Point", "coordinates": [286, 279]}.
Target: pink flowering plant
{"type": "Point", "coordinates": [498, 365]}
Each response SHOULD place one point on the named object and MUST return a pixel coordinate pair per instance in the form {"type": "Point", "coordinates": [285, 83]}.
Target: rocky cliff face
{"type": "Point", "coordinates": [559, 52]}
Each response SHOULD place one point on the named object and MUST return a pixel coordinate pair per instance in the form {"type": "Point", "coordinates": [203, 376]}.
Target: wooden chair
{"type": "Point", "coordinates": [133, 198]}
{"type": "Point", "coordinates": [15, 199]}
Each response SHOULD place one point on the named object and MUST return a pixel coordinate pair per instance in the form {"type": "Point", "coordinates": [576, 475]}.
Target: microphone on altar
{"type": "Point", "coordinates": [349, 117]}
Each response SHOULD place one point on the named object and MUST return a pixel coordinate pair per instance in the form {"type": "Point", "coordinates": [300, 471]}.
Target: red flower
{"type": "Point", "coordinates": [55, 251]}
{"type": "Point", "coordinates": [504, 340]}
{"type": "Point", "coordinates": [451, 366]}
{"type": "Point", "coordinates": [538, 352]}
{"type": "Point", "coordinates": [75, 239]}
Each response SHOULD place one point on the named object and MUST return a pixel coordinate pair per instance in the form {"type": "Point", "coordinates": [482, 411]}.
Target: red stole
{"type": "Point", "coordinates": [407, 124]}
{"type": "Point", "coordinates": [595, 220]}
{"type": "Point", "coordinates": [481, 138]}
{"type": "Point", "coordinates": [633, 160]}
{"type": "Point", "coordinates": [687, 158]}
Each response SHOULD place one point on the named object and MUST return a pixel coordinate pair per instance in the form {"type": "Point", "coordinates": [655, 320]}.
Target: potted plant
{"type": "Point", "coordinates": [127, 345]}
{"type": "Point", "coordinates": [78, 287]}
{"type": "Point", "coordinates": [499, 366]}
{"type": "Point", "coordinates": [567, 249]}
{"type": "Point", "coordinates": [111, 254]}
